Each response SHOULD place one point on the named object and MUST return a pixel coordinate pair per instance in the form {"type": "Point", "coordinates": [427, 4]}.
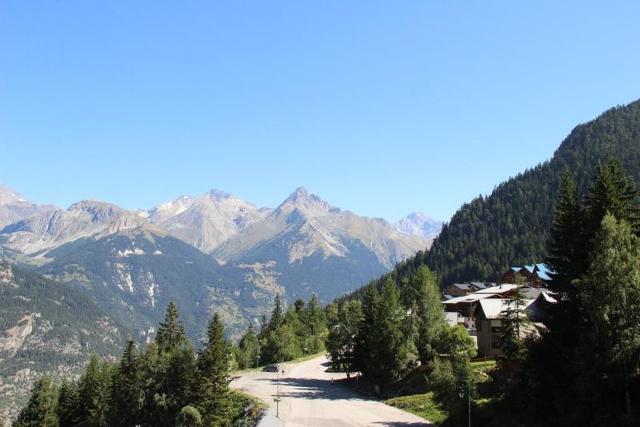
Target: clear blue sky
{"type": "Point", "coordinates": [380, 107]}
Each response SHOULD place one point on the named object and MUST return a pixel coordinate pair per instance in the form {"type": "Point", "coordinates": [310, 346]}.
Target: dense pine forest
{"type": "Point", "coordinates": [511, 226]}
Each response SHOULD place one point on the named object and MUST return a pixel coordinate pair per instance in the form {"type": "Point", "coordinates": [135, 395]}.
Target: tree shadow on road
{"type": "Point", "coordinates": [308, 388]}
{"type": "Point", "coordinates": [401, 424]}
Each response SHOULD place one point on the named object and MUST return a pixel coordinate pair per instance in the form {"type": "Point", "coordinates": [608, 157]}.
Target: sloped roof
{"type": "Point", "coordinates": [469, 298]}
{"type": "Point", "coordinates": [498, 289]}
{"type": "Point", "coordinates": [480, 285]}
{"type": "Point", "coordinates": [465, 286]}
{"type": "Point", "coordinates": [531, 292]}
{"type": "Point", "coordinates": [547, 297]}
{"type": "Point", "coordinates": [492, 308]}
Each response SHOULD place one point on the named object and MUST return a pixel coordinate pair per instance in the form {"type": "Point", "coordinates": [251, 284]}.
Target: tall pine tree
{"type": "Point", "coordinates": [171, 331]}
{"type": "Point", "coordinates": [127, 396]}
{"type": "Point", "coordinates": [41, 410]}
{"type": "Point", "coordinates": [212, 379]}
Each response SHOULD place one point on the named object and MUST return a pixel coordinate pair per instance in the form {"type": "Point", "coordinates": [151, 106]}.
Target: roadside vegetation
{"type": "Point", "coordinates": [299, 331]}
{"type": "Point", "coordinates": [423, 405]}
{"type": "Point", "coordinates": [167, 384]}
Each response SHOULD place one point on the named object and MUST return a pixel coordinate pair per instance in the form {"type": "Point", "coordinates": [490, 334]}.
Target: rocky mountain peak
{"type": "Point", "coordinates": [419, 224]}
{"type": "Point", "coordinates": [97, 211]}
{"type": "Point", "coordinates": [216, 194]}
{"type": "Point", "coordinates": [305, 203]}
{"type": "Point", "coordinates": [8, 195]}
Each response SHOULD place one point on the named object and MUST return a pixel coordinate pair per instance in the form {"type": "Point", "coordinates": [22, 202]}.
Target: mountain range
{"type": "Point", "coordinates": [81, 280]}
{"type": "Point", "coordinates": [211, 252]}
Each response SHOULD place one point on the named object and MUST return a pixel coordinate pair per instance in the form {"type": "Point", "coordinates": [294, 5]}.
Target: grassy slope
{"type": "Point", "coordinates": [425, 405]}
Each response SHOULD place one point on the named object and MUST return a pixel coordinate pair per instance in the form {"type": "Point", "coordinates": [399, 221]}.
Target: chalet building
{"type": "Point", "coordinates": [488, 316]}
{"type": "Point", "coordinates": [466, 305]}
{"type": "Point", "coordinates": [536, 275]}
{"type": "Point", "coordinates": [461, 289]}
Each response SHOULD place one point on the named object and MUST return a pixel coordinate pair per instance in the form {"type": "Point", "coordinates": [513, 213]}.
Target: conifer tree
{"type": "Point", "coordinates": [94, 392]}
{"type": "Point", "coordinates": [343, 321]}
{"type": "Point", "coordinates": [429, 312]}
{"type": "Point", "coordinates": [514, 322]}
{"type": "Point", "coordinates": [249, 349]}
{"type": "Point", "coordinates": [127, 391]}
{"type": "Point", "coordinates": [277, 315]}
{"type": "Point", "coordinates": [314, 326]}
{"type": "Point", "coordinates": [610, 295]}
{"type": "Point", "coordinates": [566, 248]}
{"type": "Point", "coordinates": [213, 375]}
{"type": "Point", "coordinates": [613, 193]}
{"type": "Point", "coordinates": [382, 350]}
{"type": "Point", "coordinates": [68, 404]}
{"type": "Point", "coordinates": [41, 410]}
{"type": "Point", "coordinates": [171, 331]}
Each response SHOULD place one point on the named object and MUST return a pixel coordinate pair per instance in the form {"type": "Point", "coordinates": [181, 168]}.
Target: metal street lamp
{"type": "Point", "coordinates": [461, 394]}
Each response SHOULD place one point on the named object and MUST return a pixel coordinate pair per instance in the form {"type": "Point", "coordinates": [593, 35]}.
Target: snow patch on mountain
{"type": "Point", "coordinates": [419, 224]}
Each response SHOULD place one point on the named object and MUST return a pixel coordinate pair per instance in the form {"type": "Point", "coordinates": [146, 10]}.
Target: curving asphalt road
{"type": "Point", "coordinates": [309, 397]}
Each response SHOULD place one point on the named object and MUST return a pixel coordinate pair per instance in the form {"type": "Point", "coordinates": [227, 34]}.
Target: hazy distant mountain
{"type": "Point", "coordinates": [311, 246]}
{"type": "Point", "coordinates": [419, 224]}
{"type": "Point", "coordinates": [49, 229]}
{"type": "Point", "coordinates": [14, 208]}
{"type": "Point", "coordinates": [206, 221]}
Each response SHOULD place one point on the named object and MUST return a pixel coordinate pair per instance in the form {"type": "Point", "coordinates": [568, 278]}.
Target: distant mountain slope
{"type": "Point", "coordinates": [47, 327]}
{"type": "Point", "coordinates": [419, 224]}
{"type": "Point", "coordinates": [511, 225]}
{"type": "Point", "coordinates": [134, 273]}
{"type": "Point", "coordinates": [311, 246]}
{"type": "Point", "coordinates": [206, 221]}
{"type": "Point", "coordinates": [133, 263]}
{"type": "Point", "coordinates": [14, 208]}
{"type": "Point", "coordinates": [50, 229]}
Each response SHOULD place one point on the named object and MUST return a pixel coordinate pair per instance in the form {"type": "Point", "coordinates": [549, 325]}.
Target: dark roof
{"type": "Point", "coordinates": [478, 285]}
{"type": "Point", "coordinates": [465, 286]}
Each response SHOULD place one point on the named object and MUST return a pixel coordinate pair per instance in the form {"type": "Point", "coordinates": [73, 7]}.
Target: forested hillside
{"type": "Point", "coordinates": [47, 327]}
{"type": "Point", "coordinates": [511, 226]}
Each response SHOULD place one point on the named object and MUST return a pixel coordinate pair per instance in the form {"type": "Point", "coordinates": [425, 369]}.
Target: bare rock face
{"type": "Point", "coordinates": [12, 339]}
{"type": "Point", "coordinates": [306, 225]}
{"type": "Point", "coordinates": [205, 221]}
{"type": "Point", "coordinates": [419, 224]}
{"type": "Point", "coordinates": [14, 208]}
{"type": "Point", "coordinates": [53, 228]}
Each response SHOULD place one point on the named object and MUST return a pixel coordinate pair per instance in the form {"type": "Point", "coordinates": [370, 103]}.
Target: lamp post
{"type": "Point", "coordinates": [277, 399]}
{"type": "Point", "coordinates": [461, 394]}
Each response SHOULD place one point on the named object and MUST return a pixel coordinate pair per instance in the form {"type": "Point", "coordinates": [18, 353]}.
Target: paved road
{"type": "Point", "coordinates": [308, 398]}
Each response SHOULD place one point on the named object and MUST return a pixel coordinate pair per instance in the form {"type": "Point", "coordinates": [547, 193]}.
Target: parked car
{"type": "Point", "coordinates": [270, 368]}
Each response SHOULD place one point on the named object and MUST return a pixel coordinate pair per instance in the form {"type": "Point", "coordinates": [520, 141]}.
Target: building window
{"type": "Point", "coordinates": [495, 337]}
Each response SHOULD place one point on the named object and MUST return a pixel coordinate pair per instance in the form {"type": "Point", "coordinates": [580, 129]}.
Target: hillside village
{"type": "Point", "coordinates": [479, 306]}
